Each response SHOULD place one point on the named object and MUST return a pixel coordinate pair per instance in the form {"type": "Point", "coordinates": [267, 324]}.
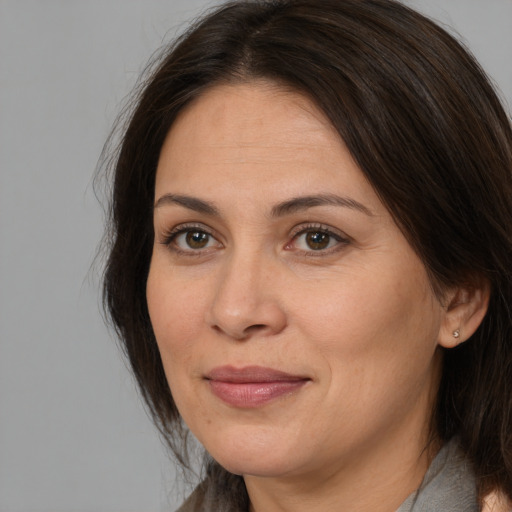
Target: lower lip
{"type": "Point", "coordinates": [253, 394]}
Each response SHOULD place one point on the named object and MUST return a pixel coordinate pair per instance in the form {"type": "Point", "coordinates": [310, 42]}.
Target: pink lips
{"type": "Point", "coordinates": [252, 386]}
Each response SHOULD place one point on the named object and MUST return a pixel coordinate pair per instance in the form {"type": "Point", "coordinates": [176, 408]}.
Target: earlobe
{"type": "Point", "coordinates": [465, 309]}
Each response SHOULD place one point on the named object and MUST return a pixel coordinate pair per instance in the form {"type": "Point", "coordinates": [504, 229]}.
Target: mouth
{"type": "Point", "coordinates": [252, 386]}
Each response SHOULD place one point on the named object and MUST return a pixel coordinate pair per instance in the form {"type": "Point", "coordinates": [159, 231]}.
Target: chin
{"type": "Point", "coordinates": [253, 453]}
{"type": "Point", "coordinates": [251, 466]}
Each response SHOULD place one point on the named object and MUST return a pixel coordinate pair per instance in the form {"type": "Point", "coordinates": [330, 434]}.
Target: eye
{"type": "Point", "coordinates": [193, 240]}
{"type": "Point", "coordinates": [317, 239]}
{"type": "Point", "coordinates": [190, 239]}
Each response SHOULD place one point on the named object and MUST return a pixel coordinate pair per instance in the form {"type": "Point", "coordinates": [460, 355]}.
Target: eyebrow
{"type": "Point", "coordinates": [192, 203]}
{"type": "Point", "coordinates": [304, 202]}
{"type": "Point", "coordinates": [287, 207]}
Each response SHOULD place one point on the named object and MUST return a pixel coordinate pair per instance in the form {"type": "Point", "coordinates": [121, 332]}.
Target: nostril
{"type": "Point", "coordinates": [249, 318]}
{"type": "Point", "coordinates": [255, 327]}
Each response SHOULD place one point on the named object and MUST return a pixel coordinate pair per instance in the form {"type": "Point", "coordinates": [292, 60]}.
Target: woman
{"type": "Point", "coordinates": [310, 261]}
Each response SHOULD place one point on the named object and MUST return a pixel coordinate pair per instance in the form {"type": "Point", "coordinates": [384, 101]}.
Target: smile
{"type": "Point", "coordinates": [252, 386]}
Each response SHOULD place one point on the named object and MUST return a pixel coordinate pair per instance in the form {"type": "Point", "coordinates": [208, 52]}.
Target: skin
{"type": "Point", "coordinates": [356, 316]}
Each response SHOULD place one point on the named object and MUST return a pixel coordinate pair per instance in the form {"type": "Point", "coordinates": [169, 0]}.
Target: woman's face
{"type": "Point", "coordinates": [296, 325]}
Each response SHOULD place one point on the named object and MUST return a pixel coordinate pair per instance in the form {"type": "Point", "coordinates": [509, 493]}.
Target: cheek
{"type": "Point", "coordinates": [381, 323]}
{"type": "Point", "coordinates": [174, 310]}
{"type": "Point", "coordinates": [173, 304]}
{"type": "Point", "coordinates": [377, 339]}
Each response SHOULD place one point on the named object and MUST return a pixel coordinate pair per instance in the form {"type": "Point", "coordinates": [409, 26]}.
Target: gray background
{"type": "Point", "coordinates": [73, 434]}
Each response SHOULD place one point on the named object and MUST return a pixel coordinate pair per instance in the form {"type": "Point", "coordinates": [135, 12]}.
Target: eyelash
{"type": "Point", "coordinates": [170, 237]}
{"type": "Point", "coordinates": [341, 239]}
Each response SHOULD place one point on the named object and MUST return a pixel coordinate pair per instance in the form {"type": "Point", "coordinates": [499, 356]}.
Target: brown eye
{"type": "Point", "coordinates": [191, 240]}
{"type": "Point", "coordinates": [197, 239]}
{"type": "Point", "coordinates": [316, 240]}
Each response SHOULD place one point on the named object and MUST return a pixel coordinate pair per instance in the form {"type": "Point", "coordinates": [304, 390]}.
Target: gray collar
{"type": "Point", "coordinates": [448, 485]}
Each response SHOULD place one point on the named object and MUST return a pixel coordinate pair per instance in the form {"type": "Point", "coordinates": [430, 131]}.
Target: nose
{"type": "Point", "coordinates": [246, 301]}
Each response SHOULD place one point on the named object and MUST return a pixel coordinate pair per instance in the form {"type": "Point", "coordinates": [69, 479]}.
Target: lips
{"type": "Point", "coordinates": [252, 386]}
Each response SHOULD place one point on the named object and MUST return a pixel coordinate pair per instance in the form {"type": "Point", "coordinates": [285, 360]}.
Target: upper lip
{"type": "Point", "coordinates": [249, 374]}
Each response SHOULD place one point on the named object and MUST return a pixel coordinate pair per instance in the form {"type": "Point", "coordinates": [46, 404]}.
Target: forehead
{"type": "Point", "coordinates": [250, 115]}
{"type": "Point", "coordinates": [237, 137]}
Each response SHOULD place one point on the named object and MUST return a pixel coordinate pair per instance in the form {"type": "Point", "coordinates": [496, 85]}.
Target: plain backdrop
{"type": "Point", "coordinates": [73, 433]}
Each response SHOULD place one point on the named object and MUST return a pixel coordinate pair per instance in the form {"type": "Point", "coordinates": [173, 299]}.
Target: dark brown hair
{"type": "Point", "coordinates": [426, 128]}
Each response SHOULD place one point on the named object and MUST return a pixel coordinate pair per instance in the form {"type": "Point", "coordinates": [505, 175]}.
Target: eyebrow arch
{"type": "Point", "coordinates": [287, 207]}
{"type": "Point", "coordinates": [192, 203]}
{"type": "Point", "coordinates": [304, 202]}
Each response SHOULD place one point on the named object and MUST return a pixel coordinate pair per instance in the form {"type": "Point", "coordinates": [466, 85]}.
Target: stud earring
{"type": "Point", "coordinates": [456, 333]}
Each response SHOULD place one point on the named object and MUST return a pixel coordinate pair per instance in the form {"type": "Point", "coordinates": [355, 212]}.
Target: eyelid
{"type": "Point", "coordinates": [340, 237]}
{"type": "Point", "coordinates": [311, 226]}
{"type": "Point", "coordinates": [168, 236]}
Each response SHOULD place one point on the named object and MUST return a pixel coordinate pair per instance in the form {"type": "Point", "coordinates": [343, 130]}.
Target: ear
{"type": "Point", "coordinates": [465, 309]}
